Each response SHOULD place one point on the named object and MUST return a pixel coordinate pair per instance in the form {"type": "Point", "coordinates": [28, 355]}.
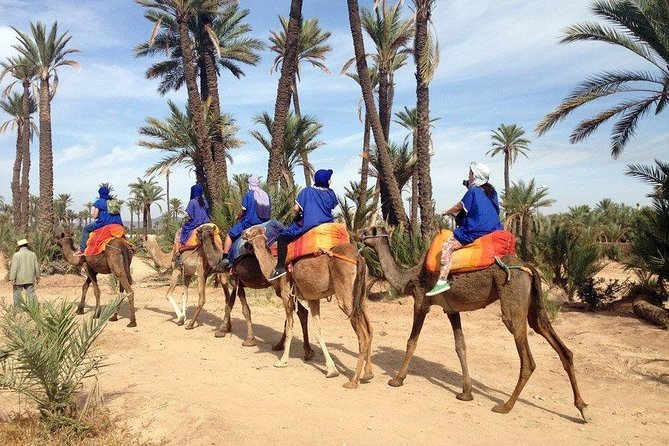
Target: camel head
{"type": "Point", "coordinates": [369, 236]}
{"type": "Point", "coordinates": [205, 232]}
{"type": "Point", "coordinates": [253, 232]}
{"type": "Point", "coordinates": [64, 239]}
{"type": "Point", "coordinates": [148, 240]}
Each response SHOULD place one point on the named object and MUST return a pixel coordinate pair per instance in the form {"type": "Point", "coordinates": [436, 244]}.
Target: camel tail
{"type": "Point", "coordinates": [359, 290]}
{"type": "Point", "coordinates": [127, 258]}
{"type": "Point", "coordinates": [537, 314]}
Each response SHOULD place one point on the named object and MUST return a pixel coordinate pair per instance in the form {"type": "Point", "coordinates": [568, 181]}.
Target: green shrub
{"type": "Point", "coordinates": [46, 355]}
{"type": "Point", "coordinates": [598, 291]}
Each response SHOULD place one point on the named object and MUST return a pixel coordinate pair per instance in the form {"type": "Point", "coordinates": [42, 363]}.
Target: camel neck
{"type": "Point", "coordinates": [266, 261]}
{"type": "Point", "coordinates": [67, 248]}
{"type": "Point", "coordinates": [397, 276]}
{"type": "Point", "coordinates": [211, 253]}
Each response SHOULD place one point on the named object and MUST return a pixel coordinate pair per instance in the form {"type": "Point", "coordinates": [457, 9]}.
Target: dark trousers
{"type": "Point", "coordinates": [85, 234]}
{"type": "Point", "coordinates": [29, 288]}
{"type": "Point", "coordinates": [282, 242]}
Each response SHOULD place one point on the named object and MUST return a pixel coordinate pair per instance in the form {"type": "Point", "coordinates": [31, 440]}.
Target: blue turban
{"type": "Point", "coordinates": [104, 193]}
{"type": "Point", "coordinates": [322, 178]}
{"type": "Point", "coordinates": [195, 191]}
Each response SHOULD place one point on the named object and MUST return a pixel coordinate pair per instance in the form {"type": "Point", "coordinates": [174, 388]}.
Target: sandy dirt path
{"type": "Point", "coordinates": [187, 387]}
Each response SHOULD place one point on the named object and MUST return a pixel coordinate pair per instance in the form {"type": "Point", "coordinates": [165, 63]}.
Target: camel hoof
{"type": "Point", "coordinates": [396, 382]}
{"type": "Point", "coordinates": [332, 374]}
{"type": "Point", "coordinates": [501, 408]}
{"type": "Point", "coordinates": [80, 310]}
{"type": "Point", "coordinates": [464, 396]}
{"type": "Point", "coordinates": [585, 413]}
{"type": "Point", "coordinates": [219, 334]}
{"type": "Point", "coordinates": [281, 364]}
{"type": "Point", "coordinates": [189, 327]}
{"type": "Point", "coordinates": [309, 355]}
{"type": "Point", "coordinates": [277, 347]}
{"type": "Point", "coordinates": [180, 322]}
{"type": "Point", "coordinates": [114, 318]}
{"type": "Point", "coordinates": [131, 324]}
{"type": "Point", "coordinates": [351, 385]}
{"type": "Point", "coordinates": [249, 343]}
{"type": "Point", "coordinates": [367, 378]}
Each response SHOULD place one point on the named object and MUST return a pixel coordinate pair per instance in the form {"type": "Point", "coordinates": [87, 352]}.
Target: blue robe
{"type": "Point", "coordinates": [199, 215]}
{"type": "Point", "coordinates": [250, 217]}
{"type": "Point", "coordinates": [317, 204]}
{"type": "Point", "coordinates": [482, 216]}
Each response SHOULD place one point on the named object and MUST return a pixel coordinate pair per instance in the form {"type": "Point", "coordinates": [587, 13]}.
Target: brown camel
{"type": "Point", "coordinates": [246, 274]}
{"type": "Point", "coordinates": [342, 272]}
{"type": "Point", "coordinates": [520, 299]}
{"type": "Point", "coordinates": [193, 262]}
{"type": "Point", "coordinates": [114, 260]}
{"type": "Point", "coordinates": [163, 260]}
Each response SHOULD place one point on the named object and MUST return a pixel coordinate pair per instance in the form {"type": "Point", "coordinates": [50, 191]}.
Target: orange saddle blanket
{"type": "Point", "coordinates": [477, 255]}
{"type": "Point", "coordinates": [321, 238]}
{"type": "Point", "coordinates": [193, 240]}
{"type": "Point", "coordinates": [99, 238]}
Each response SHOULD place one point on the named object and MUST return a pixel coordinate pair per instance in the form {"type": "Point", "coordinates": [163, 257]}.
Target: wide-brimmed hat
{"type": "Point", "coordinates": [22, 242]}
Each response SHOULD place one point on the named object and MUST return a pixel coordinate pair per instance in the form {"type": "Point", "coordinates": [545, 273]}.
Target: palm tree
{"type": "Point", "coordinates": [23, 73]}
{"type": "Point", "coordinates": [284, 93]}
{"type": "Point", "coordinates": [396, 212]}
{"type": "Point", "coordinates": [61, 205]}
{"type": "Point", "coordinates": [312, 49]}
{"type": "Point", "coordinates": [13, 106]}
{"type": "Point", "coordinates": [45, 52]}
{"type": "Point", "coordinates": [134, 208]}
{"type": "Point", "coordinates": [508, 139]}
{"type": "Point", "coordinates": [408, 118]}
{"type": "Point", "coordinates": [177, 208]}
{"type": "Point", "coordinates": [521, 204]}
{"type": "Point", "coordinates": [298, 141]}
{"type": "Point", "coordinates": [426, 57]}
{"type": "Point", "coordinates": [87, 207]}
{"type": "Point", "coordinates": [146, 192]}
{"type": "Point", "coordinates": [183, 12]}
{"type": "Point", "coordinates": [642, 27]}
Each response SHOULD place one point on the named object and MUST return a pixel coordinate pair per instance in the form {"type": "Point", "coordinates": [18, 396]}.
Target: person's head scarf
{"type": "Point", "coordinates": [104, 192]}
{"type": "Point", "coordinates": [263, 208]}
{"type": "Point", "coordinates": [322, 178]}
{"type": "Point", "coordinates": [481, 174]}
{"type": "Point", "coordinates": [195, 191]}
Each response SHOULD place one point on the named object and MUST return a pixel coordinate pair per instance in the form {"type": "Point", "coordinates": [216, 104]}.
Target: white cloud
{"type": "Point", "coordinates": [76, 153]}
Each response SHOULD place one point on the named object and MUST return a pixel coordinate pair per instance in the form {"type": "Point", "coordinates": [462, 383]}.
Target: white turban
{"type": "Point", "coordinates": [481, 173]}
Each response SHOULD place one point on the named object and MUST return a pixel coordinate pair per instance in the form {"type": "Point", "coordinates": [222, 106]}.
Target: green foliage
{"type": "Point", "coordinates": [46, 355]}
{"type": "Point", "coordinates": [595, 292]}
{"type": "Point", "coordinates": [552, 307]}
{"type": "Point", "coordinates": [408, 249]}
{"type": "Point", "coordinates": [355, 215]}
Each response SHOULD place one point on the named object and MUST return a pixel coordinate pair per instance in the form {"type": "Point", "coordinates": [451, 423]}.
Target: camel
{"type": "Point", "coordinates": [519, 296]}
{"type": "Point", "coordinates": [341, 271]}
{"type": "Point", "coordinates": [114, 260]}
{"type": "Point", "coordinates": [163, 260]}
{"type": "Point", "coordinates": [193, 262]}
{"type": "Point", "coordinates": [246, 274]}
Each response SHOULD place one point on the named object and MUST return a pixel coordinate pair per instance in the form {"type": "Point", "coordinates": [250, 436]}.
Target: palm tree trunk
{"type": "Point", "coordinates": [148, 216]}
{"type": "Point", "coordinates": [384, 111]}
{"type": "Point", "coordinates": [283, 93]}
{"type": "Point", "coordinates": [132, 221]}
{"type": "Point", "coordinates": [16, 177]}
{"type": "Point", "coordinates": [506, 170]}
{"type": "Point", "coordinates": [202, 140]}
{"type": "Point", "coordinates": [25, 183]}
{"type": "Point", "coordinates": [167, 188]}
{"type": "Point", "coordinates": [414, 189]}
{"type": "Point", "coordinates": [303, 156]}
{"type": "Point", "coordinates": [387, 177]}
{"type": "Point", "coordinates": [364, 168]}
{"type": "Point", "coordinates": [217, 143]}
{"type": "Point", "coordinates": [423, 12]}
{"type": "Point", "coordinates": [46, 223]}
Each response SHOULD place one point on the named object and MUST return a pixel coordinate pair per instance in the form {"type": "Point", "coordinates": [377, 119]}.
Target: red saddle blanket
{"type": "Point", "coordinates": [193, 239]}
{"type": "Point", "coordinates": [477, 255]}
{"type": "Point", "coordinates": [99, 238]}
{"type": "Point", "coordinates": [321, 238]}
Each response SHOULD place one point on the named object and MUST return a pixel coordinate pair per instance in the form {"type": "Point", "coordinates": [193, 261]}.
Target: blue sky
{"type": "Point", "coordinates": [500, 63]}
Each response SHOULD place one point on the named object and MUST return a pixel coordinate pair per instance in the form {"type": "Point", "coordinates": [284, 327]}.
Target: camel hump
{"type": "Point", "coordinates": [472, 257]}
{"type": "Point", "coordinates": [99, 239]}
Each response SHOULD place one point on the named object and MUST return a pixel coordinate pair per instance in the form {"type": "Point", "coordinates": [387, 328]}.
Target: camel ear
{"type": "Point", "coordinates": [62, 235]}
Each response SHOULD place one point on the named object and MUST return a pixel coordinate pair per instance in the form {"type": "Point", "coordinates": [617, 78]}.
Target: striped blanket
{"type": "Point", "coordinates": [322, 237]}
{"type": "Point", "coordinates": [477, 255]}
{"type": "Point", "coordinates": [97, 242]}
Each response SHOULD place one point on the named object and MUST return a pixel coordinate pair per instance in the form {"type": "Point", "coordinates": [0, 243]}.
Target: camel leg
{"type": "Point", "coordinates": [201, 290]}
{"type": "Point", "coordinates": [461, 350]}
{"type": "Point", "coordinates": [418, 320]}
{"type": "Point", "coordinates": [84, 290]}
{"type": "Point", "coordinates": [170, 292]}
{"type": "Point", "coordinates": [315, 309]}
{"type": "Point", "coordinates": [250, 340]}
{"type": "Point", "coordinates": [96, 290]}
{"type": "Point", "coordinates": [360, 327]}
{"type": "Point", "coordinates": [226, 325]}
{"type": "Point", "coordinates": [303, 315]}
{"type": "Point", "coordinates": [368, 330]}
{"type": "Point", "coordinates": [184, 299]}
{"type": "Point", "coordinates": [130, 295]}
{"type": "Point", "coordinates": [515, 320]}
{"type": "Point", "coordinates": [288, 331]}
{"type": "Point", "coordinates": [541, 324]}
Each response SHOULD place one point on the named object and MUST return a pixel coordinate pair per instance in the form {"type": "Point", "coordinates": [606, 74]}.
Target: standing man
{"type": "Point", "coordinates": [24, 272]}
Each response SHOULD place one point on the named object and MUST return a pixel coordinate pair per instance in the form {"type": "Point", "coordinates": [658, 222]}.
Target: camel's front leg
{"type": "Point", "coordinates": [184, 299]}
{"type": "Point", "coordinates": [461, 350]}
{"type": "Point", "coordinates": [96, 291]}
{"type": "Point", "coordinates": [315, 309]}
{"type": "Point", "coordinates": [84, 290]}
{"type": "Point", "coordinates": [201, 290]}
{"type": "Point", "coordinates": [418, 320]}
{"type": "Point", "coordinates": [170, 293]}
{"type": "Point", "coordinates": [250, 340]}
{"type": "Point", "coordinates": [288, 306]}
{"type": "Point", "coordinates": [303, 314]}
{"type": "Point", "coordinates": [226, 325]}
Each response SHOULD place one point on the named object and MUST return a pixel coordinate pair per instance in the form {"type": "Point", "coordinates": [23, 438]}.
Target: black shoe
{"type": "Point", "coordinates": [223, 263]}
{"type": "Point", "coordinates": [177, 259]}
{"type": "Point", "coordinates": [279, 271]}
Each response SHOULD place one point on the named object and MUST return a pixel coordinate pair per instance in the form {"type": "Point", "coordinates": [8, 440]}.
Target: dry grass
{"type": "Point", "coordinates": [27, 429]}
